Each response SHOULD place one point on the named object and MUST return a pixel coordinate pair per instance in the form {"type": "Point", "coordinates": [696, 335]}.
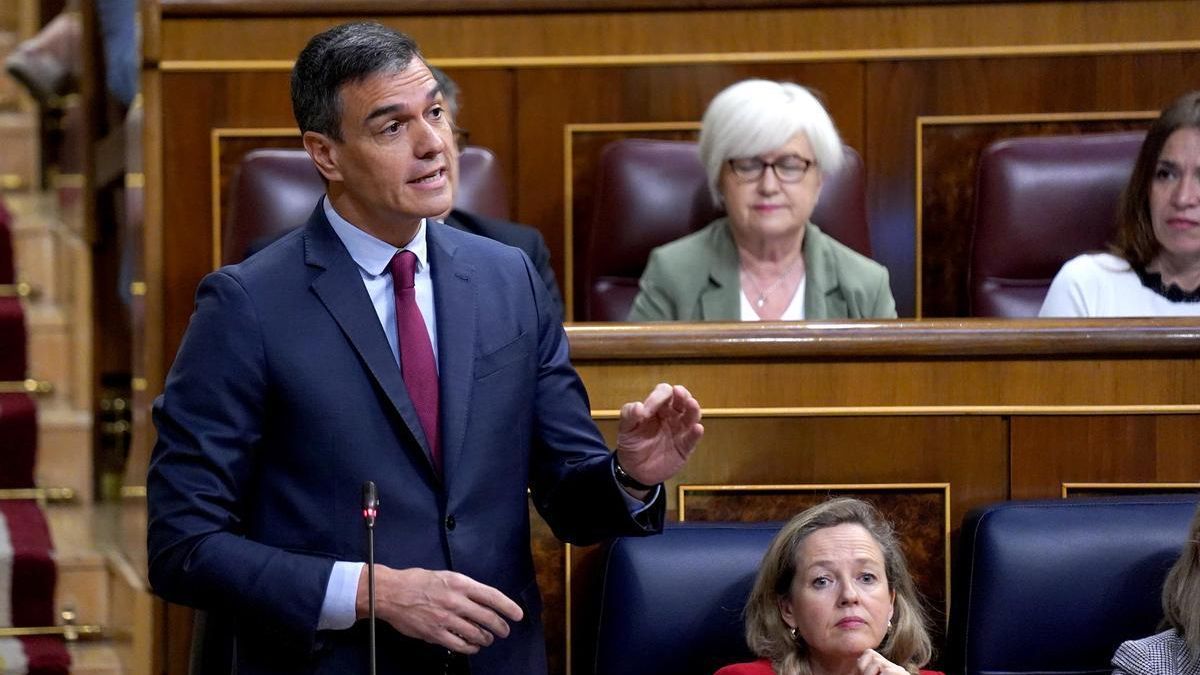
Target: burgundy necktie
{"type": "Point", "coordinates": [417, 365]}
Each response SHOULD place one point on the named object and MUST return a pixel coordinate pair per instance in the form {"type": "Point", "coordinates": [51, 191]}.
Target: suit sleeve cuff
{"type": "Point", "coordinates": [635, 505]}
{"type": "Point", "coordinates": [338, 610]}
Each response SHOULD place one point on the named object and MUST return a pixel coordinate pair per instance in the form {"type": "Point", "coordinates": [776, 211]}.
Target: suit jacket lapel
{"type": "Point", "coordinates": [720, 298]}
{"type": "Point", "coordinates": [821, 297]}
{"type": "Point", "coordinates": [454, 297]}
{"type": "Point", "coordinates": [341, 290]}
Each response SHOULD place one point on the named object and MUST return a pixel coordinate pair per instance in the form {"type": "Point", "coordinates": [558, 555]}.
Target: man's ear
{"type": "Point", "coordinates": [324, 153]}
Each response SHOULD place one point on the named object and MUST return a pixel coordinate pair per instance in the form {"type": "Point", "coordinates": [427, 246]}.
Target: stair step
{"type": "Point", "coordinates": [82, 563]}
{"type": "Point", "coordinates": [18, 428]}
{"type": "Point", "coordinates": [34, 655]}
{"type": "Point", "coordinates": [94, 658]}
{"type": "Point", "coordinates": [26, 558]}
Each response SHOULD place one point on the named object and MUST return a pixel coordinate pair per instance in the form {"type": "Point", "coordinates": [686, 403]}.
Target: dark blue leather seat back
{"type": "Point", "coordinates": [672, 604]}
{"type": "Point", "coordinates": [1054, 586]}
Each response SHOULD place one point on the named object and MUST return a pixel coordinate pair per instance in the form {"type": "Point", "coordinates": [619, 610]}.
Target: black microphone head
{"type": "Point", "coordinates": [370, 497]}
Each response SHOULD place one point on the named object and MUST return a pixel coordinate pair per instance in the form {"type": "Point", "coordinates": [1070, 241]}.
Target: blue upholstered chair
{"type": "Point", "coordinates": [1052, 587]}
{"type": "Point", "coordinates": [672, 604]}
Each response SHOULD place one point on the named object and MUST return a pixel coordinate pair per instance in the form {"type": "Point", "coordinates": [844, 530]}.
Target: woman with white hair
{"type": "Point", "coordinates": [766, 147]}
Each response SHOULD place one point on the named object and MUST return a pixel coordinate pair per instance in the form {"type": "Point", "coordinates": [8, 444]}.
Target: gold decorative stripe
{"type": "Point", "coordinates": [27, 386]}
{"type": "Point", "coordinates": [135, 180]}
{"type": "Point", "coordinates": [137, 288]}
{"type": "Point", "coordinates": [67, 180]}
{"type": "Point", "coordinates": [923, 121]}
{"type": "Point", "coordinates": [41, 495]}
{"type": "Point", "coordinates": [254, 132]}
{"type": "Point", "coordinates": [20, 289]}
{"type": "Point", "coordinates": [932, 410]}
{"type": "Point", "coordinates": [11, 181]}
{"type": "Point", "coordinates": [133, 492]}
{"type": "Point", "coordinates": [68, 633]}
{"type": "Point", "coordinates": [139, 384]}
{"type": "Point", "coordinates": [1156, 487]}
{"type": "Point", "coordinates": [625, 60]}
{"type": "Point", "coordinates": [568, 281]}
{"type": "Point", "coordinates": [215, 190]}
{"type": "Point", "coordinates": [1025, 118]}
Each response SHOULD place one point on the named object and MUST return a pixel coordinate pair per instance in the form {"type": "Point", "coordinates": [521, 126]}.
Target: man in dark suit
{"type": "Point", "coordinates": [378, 344]}
{"type": "Point", "coordinates": [524, 237]}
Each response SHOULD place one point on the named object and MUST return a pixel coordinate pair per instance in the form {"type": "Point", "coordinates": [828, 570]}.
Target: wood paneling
{"type": "Point", "coordinates": [1050, 451]}
{"type": "Point", "coordinates": [831, 30]}
{"type": "Point", "coordinates": [994, 409]}
{"type": "Point", "coordinates": [901, 92]}
{"type": "Point", "coordinates": [949, 155]}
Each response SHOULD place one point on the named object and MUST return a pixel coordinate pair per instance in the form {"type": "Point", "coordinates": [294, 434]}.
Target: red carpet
{"type": "Point", "coordinates": [12, 340]}
{"type": "Point", "coordinates": [27, 578]}
{"type": "Point", "coordinates": [18, 440]}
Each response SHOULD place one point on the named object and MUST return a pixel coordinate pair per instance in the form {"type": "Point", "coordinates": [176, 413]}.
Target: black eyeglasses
{"type": "Point", "coordinates": [788, 169]}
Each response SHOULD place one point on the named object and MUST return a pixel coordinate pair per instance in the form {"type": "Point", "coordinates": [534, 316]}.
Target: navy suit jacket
{"type": "Point", "coordinates": [285, 397]}
{"type": "Point", "coordinates": [524, 237]}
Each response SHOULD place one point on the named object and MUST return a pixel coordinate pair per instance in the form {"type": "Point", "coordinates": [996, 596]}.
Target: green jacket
{"type": "Point", "coordinates": [695, 278]}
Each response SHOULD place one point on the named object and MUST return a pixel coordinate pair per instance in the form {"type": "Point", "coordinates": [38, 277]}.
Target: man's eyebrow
{"type": "Point", "coordinates": [385, 110]}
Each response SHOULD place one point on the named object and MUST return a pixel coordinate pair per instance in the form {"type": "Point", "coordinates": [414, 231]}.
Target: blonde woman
{"type": "Point", "coordinates": [834, 597]}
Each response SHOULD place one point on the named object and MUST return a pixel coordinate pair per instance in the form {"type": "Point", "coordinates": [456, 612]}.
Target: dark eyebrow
{"type": "Point", "coordinates": [384, 111]}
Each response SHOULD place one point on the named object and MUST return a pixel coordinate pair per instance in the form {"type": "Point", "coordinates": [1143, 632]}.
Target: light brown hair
{"type": "Point", "coordinates": [1135, 241]}
{"type": "Point", "coordinates": [907, 644]}
{"type": "Point", "coordinates": [1181, 591]}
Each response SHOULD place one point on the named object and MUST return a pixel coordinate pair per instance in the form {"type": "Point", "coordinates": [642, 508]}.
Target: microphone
{"type": "Point", "coordinates": [370, 509]}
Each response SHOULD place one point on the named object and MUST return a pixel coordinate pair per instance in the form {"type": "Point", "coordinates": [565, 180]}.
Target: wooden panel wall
{"type": "Point", "coordinates": [989, 423]}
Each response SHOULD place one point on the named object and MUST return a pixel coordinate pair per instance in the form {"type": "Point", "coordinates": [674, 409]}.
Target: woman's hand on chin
{"type": "Point", "coordinates": [872, 663]}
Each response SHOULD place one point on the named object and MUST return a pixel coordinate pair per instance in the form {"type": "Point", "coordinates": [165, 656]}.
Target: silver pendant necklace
{"type": "Point", "coordinates": [764, 292]}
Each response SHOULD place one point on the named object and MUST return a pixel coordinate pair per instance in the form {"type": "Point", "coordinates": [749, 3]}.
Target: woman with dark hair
{"type": "Point", "coordinates": [1153, 268]}
{"type": "Point", "coordinates": [1175, 651]}
{"type": "Point", "coordinates": [833, 596]}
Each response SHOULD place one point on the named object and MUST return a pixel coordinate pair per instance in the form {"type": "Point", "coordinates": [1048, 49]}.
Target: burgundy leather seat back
{"type": "Point", "coordinates": [1039, 202]}
{"type": "Point", "coordinates": [650, 192]}
{"type": "Point", "coordinates": [273, 191]}
{"type": "Point", "coordinates": [7, 275]}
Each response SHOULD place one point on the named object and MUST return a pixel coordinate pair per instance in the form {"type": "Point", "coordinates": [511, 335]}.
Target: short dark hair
{"type": "Point", "coordinates": [1135, 240]}
{"type": "Point", "coordinates": [450, 90]}
{"type": "Point", "coordinates": [350, 52]}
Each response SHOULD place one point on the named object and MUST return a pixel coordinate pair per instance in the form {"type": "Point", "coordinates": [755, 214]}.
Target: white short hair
{"type": "Point", "coordinates": [753, 117]}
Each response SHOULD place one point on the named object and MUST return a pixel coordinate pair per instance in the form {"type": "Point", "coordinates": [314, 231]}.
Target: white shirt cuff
{"type": "Point", "coordinates": [338, 611]}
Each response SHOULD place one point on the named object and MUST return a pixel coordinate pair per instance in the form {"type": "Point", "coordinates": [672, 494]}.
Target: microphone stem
{"type": "Point", "coordinates": [371, 591]}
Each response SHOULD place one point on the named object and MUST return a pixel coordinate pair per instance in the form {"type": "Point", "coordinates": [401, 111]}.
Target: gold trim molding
{"type": "Point", "coordinates": [27, 386]}
{"type": "Point", "coordinates": [731, 58]}
{"type": "Point", "coordinates": [930, 411]}
{"type": "Point", "coordinates": [40, 495]}
{"type": "Point", "coordinates": [1127, 487]}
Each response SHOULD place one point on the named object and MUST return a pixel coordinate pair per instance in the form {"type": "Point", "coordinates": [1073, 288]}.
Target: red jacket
{"type": "Point", "coordinates": [763, 667]}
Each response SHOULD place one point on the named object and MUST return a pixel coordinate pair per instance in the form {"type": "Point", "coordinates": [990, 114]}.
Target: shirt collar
{"type": "Point", "coordinates": [371, 253]}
